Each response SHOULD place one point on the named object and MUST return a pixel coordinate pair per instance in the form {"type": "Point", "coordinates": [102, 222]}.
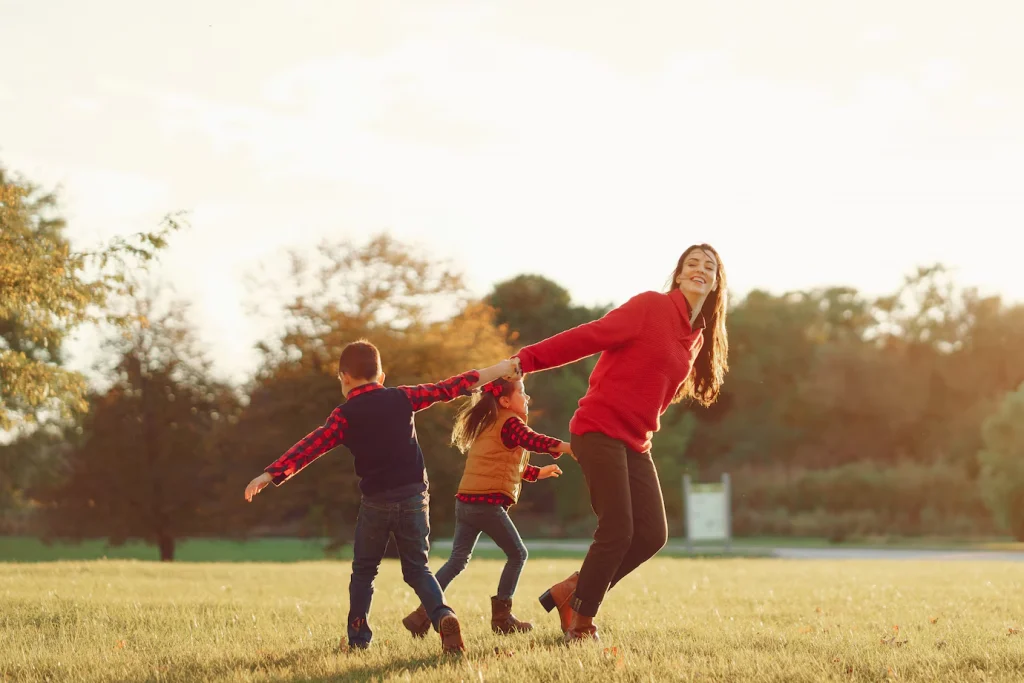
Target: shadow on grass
{"type": "Point", "coordinates": [396, 666]}
{"type": "Point", "coordinates": [324, 662]}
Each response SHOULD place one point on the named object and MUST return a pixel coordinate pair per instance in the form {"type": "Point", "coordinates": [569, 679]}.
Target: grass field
{"type": "Point", "coordinates": [674, 619]}
{"type": "Point", "coordinates": [27, 549]}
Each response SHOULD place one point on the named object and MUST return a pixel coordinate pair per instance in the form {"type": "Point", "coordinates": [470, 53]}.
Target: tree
{"type": "Point", "coordinates": [533, 308]}
{"type": "Point", "coordinates": [381, 290]}
{"type": "Point", "coordinates": [48, 291]}
{"type": "Point", "coordinates": [769, 411]}
{"type": "Point", "coordinates": [1002, 463]}
{"type": "Point", "coordinates": [137, 469]}
{"type": "Point", "coordinates": [27, 463]}
{"type": "Point", "coordinates": [972, 381]}
{"type": "Point", "coordinates": [926, 310]}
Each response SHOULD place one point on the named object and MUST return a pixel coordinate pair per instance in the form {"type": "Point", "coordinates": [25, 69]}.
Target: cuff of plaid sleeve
{"type": "Point", "coordinates": [277, 479]}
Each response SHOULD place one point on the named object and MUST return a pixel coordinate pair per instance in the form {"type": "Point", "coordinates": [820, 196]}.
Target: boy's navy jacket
{"type": "Point", "coordinates": [378, 425]}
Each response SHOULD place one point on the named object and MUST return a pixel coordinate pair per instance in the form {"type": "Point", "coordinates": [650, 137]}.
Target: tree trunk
{"type": "Point", "coordinates": [166, 544]}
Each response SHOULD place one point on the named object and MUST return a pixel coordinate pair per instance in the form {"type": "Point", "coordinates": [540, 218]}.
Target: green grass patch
{"type": "Point", "coordinates": [27, 549]}
{"type": "Point", "coordinates": [672, 620]}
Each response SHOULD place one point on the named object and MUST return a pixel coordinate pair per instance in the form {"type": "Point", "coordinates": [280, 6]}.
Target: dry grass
{"type": "Point", "coordinates": [692, 620]}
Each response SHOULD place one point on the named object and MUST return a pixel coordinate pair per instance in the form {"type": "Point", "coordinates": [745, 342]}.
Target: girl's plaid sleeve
{"type": "Point", "coordinates": [515, 434]}
{"type": "Point", "coordinates": [531, 473]}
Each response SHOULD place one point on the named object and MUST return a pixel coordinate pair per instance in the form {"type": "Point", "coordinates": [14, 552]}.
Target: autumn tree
{"type": "Point", "coordinates": [533, 307]}
{"type": "Point", "coordinates": [49, 290]}
{"type": "Point", "coordinates": [137, 469]}
{"type": "Point", "coordinates": [420, 315]}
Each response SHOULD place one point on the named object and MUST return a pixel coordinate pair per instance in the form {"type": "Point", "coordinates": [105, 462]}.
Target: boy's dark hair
{"type": "Point", "coordinates": [360, 359]}
{"type": "Point", "coordinates": [479, 414]}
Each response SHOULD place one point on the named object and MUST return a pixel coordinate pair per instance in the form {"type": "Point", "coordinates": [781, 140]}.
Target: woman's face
{"type": "Point", "coordinates": [699, 275]}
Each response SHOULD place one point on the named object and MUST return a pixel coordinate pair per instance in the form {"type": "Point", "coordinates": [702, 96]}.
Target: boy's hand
{"type": "Point", "coordinates": [549, 471]}
{"type": "Point", "coordinates": [564, 447]}
{"type": "Point", "coordinates": [256, 485]}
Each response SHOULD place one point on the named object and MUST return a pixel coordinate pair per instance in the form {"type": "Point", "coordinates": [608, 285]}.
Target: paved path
{"type": "Point", "coordinates": [677, 548]}
{"type": "Point", "coordinates": [893, 554]}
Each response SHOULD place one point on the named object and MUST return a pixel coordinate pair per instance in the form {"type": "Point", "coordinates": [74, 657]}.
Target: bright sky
{"type": "Point", "coordinates": [811, 142]}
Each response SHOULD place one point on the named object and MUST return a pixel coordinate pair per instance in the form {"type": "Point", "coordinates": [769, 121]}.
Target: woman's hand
{"type": "Point", "coordinates": [565, 447]}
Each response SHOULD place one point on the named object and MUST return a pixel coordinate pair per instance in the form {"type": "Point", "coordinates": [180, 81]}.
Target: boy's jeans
{"type": "Point", "coordinates": [407, 519]}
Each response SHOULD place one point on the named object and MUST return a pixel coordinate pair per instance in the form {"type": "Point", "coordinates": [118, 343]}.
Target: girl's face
{"type": "Point", "coordinates": [518, 401]}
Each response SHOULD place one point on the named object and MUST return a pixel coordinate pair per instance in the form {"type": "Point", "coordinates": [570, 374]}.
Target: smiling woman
{"type": "Point", "coordinates": [700, 277]}
{"type": "Point", "coordinates": [654, 352]}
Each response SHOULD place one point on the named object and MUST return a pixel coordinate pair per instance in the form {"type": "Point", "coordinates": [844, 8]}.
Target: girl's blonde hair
{"type": "Point", "coordinates": [480, 413]}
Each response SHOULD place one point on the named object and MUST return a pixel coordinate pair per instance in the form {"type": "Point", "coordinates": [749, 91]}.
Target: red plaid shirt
{"type": "Point", "coordinates": [332, 433]}
{"type": "Point", "coordinates": [515, 434]}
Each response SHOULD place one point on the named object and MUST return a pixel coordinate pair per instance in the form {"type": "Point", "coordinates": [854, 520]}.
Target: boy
{"type": "Point", "coordinates": [377, 425]}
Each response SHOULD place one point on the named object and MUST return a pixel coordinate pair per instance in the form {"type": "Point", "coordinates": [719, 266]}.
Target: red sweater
{"type": "Point", "coordinates": [647, 349]}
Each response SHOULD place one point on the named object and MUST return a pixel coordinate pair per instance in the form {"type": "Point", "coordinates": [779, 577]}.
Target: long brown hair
{"type": "Point", "coordinates": [479, 414]}
{"type": "Point", "coordinates": [705, 380]}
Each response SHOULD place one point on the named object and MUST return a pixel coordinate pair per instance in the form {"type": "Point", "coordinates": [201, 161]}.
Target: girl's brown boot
{"type": "Point", "coordinates": [502, 619]}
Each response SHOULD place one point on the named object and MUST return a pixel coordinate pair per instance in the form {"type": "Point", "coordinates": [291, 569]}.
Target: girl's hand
{"type": "Point", "coordinates": [256, 485]}
{"type": "Point", "coordinates": [565, 447]}
{"type": "Point", "coordinates": [549, 471]}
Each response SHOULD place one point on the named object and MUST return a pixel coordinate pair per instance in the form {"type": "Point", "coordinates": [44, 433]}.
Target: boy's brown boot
{"type": "Point", "coordinates": [451, 635]}
{"type": "Point", "coordinates": [580, 628]}
{"type": "Point", "coordinates": [558, 597]}
{"type": "Point", "coordinates": [417, 622]}
{"type": "Point", "coordinates": [502, 619]}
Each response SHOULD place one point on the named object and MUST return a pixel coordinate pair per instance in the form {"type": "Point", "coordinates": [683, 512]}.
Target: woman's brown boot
{"type": "Point", "coordinates": [557, 597]}
{"type": "Point", "coordinates": [502, 619]}
{"type": "Point", "coordinates": [418, 622]}
{"type": "Point", "coordinates": [580, 628]}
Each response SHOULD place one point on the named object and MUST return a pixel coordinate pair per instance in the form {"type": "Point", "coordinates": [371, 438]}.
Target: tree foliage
{"type": "Point", "coordinates": [138, 470]}
{"type": "Point", "coordinates": [382, 291]}
{"type": "Point", "coordinates": [1002, 462]}
{"type": "Point", "coordinates": [48, 290]}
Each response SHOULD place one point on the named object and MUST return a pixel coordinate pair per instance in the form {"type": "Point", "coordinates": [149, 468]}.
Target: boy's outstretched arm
{"type": "Point", "coordinates": [309, 448]}
{"type": "Point", "coordinates": [425, 395]}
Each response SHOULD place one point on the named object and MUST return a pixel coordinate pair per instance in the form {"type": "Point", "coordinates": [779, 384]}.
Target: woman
{"type": "Point", "coordinates": [655, 351]}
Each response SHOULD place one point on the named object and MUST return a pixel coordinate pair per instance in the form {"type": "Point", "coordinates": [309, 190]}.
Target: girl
{"type": "Point", "coordinates": [656, 350]}
{"type": "Point", "coordinates": [492, 429]}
